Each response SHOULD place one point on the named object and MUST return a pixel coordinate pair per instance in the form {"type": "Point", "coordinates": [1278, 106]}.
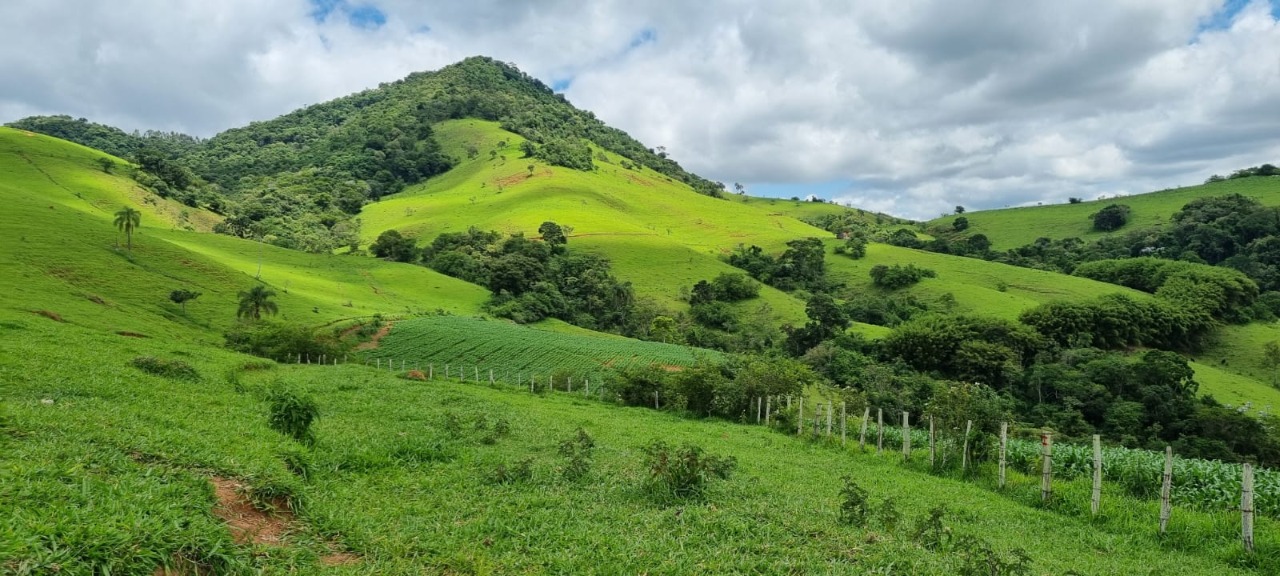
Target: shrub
{"type": "Point", "coordinates": [855, 507]}
{"type": "Point", "coordinates": [175, 369]}
{"type": "Point", "coordinates": [683, 473]}
{"type": "Point", "coordinates": [521, 471]}
{"type": "Point", "coordinates": [898, 276]}
{"type": "Point", "coordinates": [930, 532]}
{"type": "Point", "coordinates": [283, 342]}
{"type": "Point", "coordinates": [292, 414]}
{"type": "Point", "coordinates": [577, 449]}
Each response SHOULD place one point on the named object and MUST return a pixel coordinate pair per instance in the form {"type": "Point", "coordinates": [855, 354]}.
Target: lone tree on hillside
{"type": "Point", "coordinates": [553, 235]}
{"type": "Point", "coordinates": [128, 220]}
{"type": "Point", "coordinates": [181, 297]}
{"type": "Point", "coordinates": [1111, 218]}
{"type": "Point", "coordinates": [959, 209]}
{"type": "Point", "coordinates": [107, 164]}
{"type": "Point", "coordinates": [960, 224]}
{"type": "Point", "coordinates": [255, 302]}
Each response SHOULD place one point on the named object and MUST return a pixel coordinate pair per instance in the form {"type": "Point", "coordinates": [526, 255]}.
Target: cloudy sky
{"type": "Point", "coordinates": [905, 106]}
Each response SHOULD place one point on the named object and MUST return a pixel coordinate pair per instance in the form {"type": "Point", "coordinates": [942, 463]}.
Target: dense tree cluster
{"type": "Point", "coordinates": [898, 276]}
{"type": "Point", "coordinates": [801, 265]}
{"type": "Point", "coordinates": [533, 279]}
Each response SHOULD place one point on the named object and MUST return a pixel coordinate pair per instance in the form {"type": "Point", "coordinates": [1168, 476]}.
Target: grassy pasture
{"type": "Point", "coordinates": [1013, 227]}
{"type": "Point", "coordinates": [114, 470]}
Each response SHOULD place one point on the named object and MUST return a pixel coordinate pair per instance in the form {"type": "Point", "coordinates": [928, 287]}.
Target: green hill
{"type": "Point", "coordinates": [656, 232]}
{"type": "Point", "coordinates": [132, 439]}
{"type": "Point", "coordinates": [1012, 227]}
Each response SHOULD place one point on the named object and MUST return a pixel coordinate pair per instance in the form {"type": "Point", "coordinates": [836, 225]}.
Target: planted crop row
{"type": "Point", "coordinates": [508, 348]}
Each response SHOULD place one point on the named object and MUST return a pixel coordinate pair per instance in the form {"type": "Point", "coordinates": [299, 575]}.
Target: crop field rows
{"type": "Point", "coordinates": [510, 349]}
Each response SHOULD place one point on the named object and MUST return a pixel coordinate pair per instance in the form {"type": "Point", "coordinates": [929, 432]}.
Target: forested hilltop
{"type": "Point", "coordinates": [299, 179]}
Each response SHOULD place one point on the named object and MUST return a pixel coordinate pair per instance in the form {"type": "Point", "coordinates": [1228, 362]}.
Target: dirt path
{"type": "Point", "coordinates": [377, 338]}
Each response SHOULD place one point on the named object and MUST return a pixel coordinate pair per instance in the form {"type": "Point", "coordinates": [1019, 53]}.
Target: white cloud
{"type": "Point", "coordinates": [920, 105]}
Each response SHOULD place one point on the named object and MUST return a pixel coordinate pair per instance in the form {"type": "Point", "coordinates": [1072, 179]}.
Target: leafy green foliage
{"type": "Point", "coordinates": [393, 246]}
{"type": "Point", "coordinates": [520, 471]}
{"type": "Point", "coordinates": [255, 302]}
{"type": "Point", "coordinates": [283, 342]}
{"type": "Point", "coordinates": [577, 449]}
{"type": "Point", "coordinates": [1220, 292]}
{"type": "Point", "coordinates": [176, 369]}
{"type": "Point", "coordinates": [683, 473]}
{"type": "Point", "coordinates": [899, 276]}
{"type": "Point", "coordinates": [182, 296]}
{"type": "Point", "coordinates": [291, 413]}
{"type": "Point", "coordinates": [801, 265]}
{"type": "Point", "coordinates": [1110, 218]}
{"type": "Point", "coordinates": [854, 504]}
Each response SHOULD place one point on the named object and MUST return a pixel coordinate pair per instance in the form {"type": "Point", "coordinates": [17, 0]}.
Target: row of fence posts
{"type": "Point", "coordinates": [1046, 456]}
{"type": "Point", "coordinates": [493, 377]}
{"type": "Point", "coordinates": [765, 410]}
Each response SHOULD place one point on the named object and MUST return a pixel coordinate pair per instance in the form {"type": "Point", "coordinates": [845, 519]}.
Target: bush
{"type": "Point", "coordinates": [855, 247]}
{"type": "Point", "coordinates": [637, 385]}
{"type": "Point", "coordinates": [577, 449]}
{"type": "Point", "coordinates": [521, 471]}
{"type": "Point", "coordinates": [683, 473]}
{"type": "Point", "coordinates": [855, 507]}
{"type": "Point", "coordinates": [283, 342]}
{"type": "Point", "coordinates": [898, 276]}
{"type": "Point", "coordinates": [292, 414]}
{"type": "Point", "coordinates": [175, 369]}
{"type": "Point", "coordinates": [1113, 217]}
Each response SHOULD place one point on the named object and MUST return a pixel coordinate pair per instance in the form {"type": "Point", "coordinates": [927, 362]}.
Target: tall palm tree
{"type": "Point", "coordinates": [255, 302]}
{"type": "Point", "coordinates": [128, 220]}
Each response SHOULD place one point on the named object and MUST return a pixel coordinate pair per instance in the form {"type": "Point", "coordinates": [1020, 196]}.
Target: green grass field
{"type": "Point", "coordinates": [511, 350]}
{"type": "Point", "coordinates": [1013, 227]}
{"type": "Point", "coordinates": [980, 287]}
{"type": "Point", "coordinates": [106, 468]}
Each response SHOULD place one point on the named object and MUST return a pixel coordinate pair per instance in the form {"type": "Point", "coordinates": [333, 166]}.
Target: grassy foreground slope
{"type": "Point", "coordinates": [105, 468]}
{"type": "Point", "coordinates": [658, 233]}
{"type": "Point", "coordinates": [1013, 227]}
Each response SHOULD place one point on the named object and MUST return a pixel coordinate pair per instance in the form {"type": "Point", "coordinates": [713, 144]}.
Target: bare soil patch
{"type": "Point", "coordinates": [131, 334]}
{"type": "Point", "coordinates": [49, 314]}
{"type": "Point", "coordinates": [248, 524]}
{"type": "Point", "coordinates": [377, 337]}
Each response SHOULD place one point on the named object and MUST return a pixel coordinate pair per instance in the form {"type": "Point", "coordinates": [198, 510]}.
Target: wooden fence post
{"type": "Point", "coordinates": [569, 384]}
{"type": "Point", "coordinates": [879, 430]}
{"type": "Point", "coordinates": [788, 401]}
{"type": "Point", "coordinates": [759, 409]}
{"type": "Point", "coordinates": [1046, 471]}
{"type": "Point", "coordinates": [587, 389]}
{"type": "Point", "coordinates": [1165, 485]}
{"type": "Point", "coordinates": [800, 417]}
{"type": "Point", "coordinates": [932, 443]}
{"type": "Point", "coordinates": [830, 409]}
{"type": "Point", "coordinates": [491, 376]}
{"type": "Point", "coordinates": [964, 455]}
{"type": "Point", "coordinates": [768, 406]}
{"type": "Point", "coordinates": [862, 438]}
{"type": "Point", "coordinates": [431, 371]}
{"type": "Point", "coordinates": [1096, 501]}
{"type": "Point", "coordinates": [1246, 506]}
{"type": "Point", "coordinates": [906, 436]}
{"type": "Point", "coordinates": [1004, 446]}
{"type": "Point", "coordinates": [844, 421]}
{"type": "Point", "coordinates": [378, 364]}
{"type": "Point", "coordinates": [655, 400]}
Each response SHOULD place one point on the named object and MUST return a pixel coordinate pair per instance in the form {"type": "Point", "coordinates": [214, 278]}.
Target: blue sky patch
{"type": "Point", "coordinates": [827, 190]}
{"type": "Point", "coordinates": [1221, 19]}
{"type": "Point", "coordinates": [644, 36]}
{"type": "Point", "coordinates": [561, 84]}
{"type": "Point", "coordinates": [365, 16]}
